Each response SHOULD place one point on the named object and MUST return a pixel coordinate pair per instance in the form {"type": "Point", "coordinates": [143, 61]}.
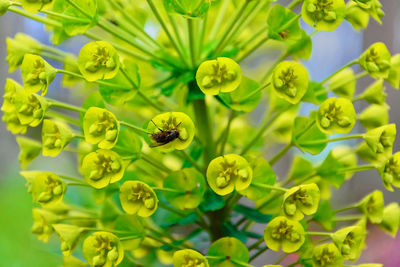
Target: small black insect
{"type": "Point", "coordinates": [165, 137]}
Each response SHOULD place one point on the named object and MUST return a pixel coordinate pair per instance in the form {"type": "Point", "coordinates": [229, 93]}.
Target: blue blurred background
{"type": "Point", "coordinates": [18, 247]}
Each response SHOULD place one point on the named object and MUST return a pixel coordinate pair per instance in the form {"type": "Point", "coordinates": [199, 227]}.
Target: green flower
{"type": "Point", "coordinates": [336, 115]}
{"type": "Point", "coordinates": [381, 139]}
{"type": "Point", "coordinates": [189, 188]}
{"type": "Point", "coordinates": [171, 130]}
{"type": "Point", "coordinates": [138, 198]}
{"type": "Point", "coordinates": [222, 75]}
{"type": "Point", "coordinates": [327, 255]}
{"type": "Point", "coordinates": [188, 8]}
{"type": "Point", "coordinates": [374, 116]}
{"type": "Point", "coordinates": [390, 172]}
{"type": "Point", "coordinates": [69, 236]}
{"type": "Point", "coordinates": [394, 73]}
{"type": "Point", "coordinates": [4, 5]}
{"type": "Point", "coordinates": [376, 61]}
{"type": "Point", "coordinates": [42, 223]}
{"type": "Point", "coordinates": [229, 172]}
{"type": "Point", "coordinates": [46, 187]}
{"type": "Point", "coordinates": [98, 60]}
{"type": "Point", "coordinates": [228, 252]}
{"type": "Point", "coordinates": [300, 200]}
{"type": "Point", "coordinates": [11, 89]}
{"type": "Point", "coordinates": [56, 135]}
{"type": "Point", "coordinates": [30, 108]}
{"type": "Point", "coordinates": [35, 6]}
{"type": "Point", "coordinates": [103, 249]}
{"type": "Point", "coordinates": [100, 127]}
{"type": "Point", "coordinates": [18, 47]}
{"type": "Point", "coordinates": [102, 168]}
{"type": "Point", "coordinates": [324, 15]}
{"type": "Point", "coordinates": [375, 93]}
{"type": "Point", "coordinates": [372, 206]}
{"type": "Point", "coordinates": [290, 81]}
{"type": "Point", "coordinates": [391, 219]}
{"type": "Point", "coordinates": [372, 7]}
{"type": "Point", "coordinates": [357, 16]}
{"type": "Point", "coordinates": [285, 233]}
{"type": "Point", "coordinates": [29, 150]}
{"type": "Point", "coordinates": [13, 123]}
{"type": "Point", "coordinates": [343, 84]}
{"type": "Point", "coordinates": [350, 241]}
{"type": "Point", "coordinates": [37, 74]}
{"type": "Point", "coordinates": [189, 257]}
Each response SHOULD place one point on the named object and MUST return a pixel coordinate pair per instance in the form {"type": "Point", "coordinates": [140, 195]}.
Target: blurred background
{"type": "Point", "coordinates": [18, 247]}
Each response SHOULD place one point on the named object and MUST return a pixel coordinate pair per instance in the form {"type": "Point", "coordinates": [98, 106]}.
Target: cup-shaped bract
{"type": "Point", "coordinates": [372, 7]}
{"type": "Point", "coordinates": [229, 172]}
{"type": "Point", "coordinates": [188, 188]}
{"type": "Point", "coordinates": [4, 5]}
{"type": "Point", "coordinates": [228, 252]}
{"type": "Point", "coordinates": [343, 83]}
{"type": "Point", "coordinates": [98, 60]}
{"type": "Point", "coordinates": [11, 89]}
{"type": "Point", "coordinates": [103, 249]}
{"type": "Point", "coordinates": [171, 130]}
{"type": "Point", "coordinates": [30, 108]}
{"type": "Point", "coordinates": [290, 81]}
{"type": "Point", "coordinates": [284, 233]}
{"type": "Point", "coordinates": [300, 200]}
{"type": "Point", "coordinates": [327, 255]}
{"type": "Point", "coordinates": [390, 172]}
{"type": "Point", "coordinates": [189, 257]}
{"type": "Point", "coordinates": [100, 127]}
{"type": "Point", "coordinates": [17, 48]}
{"type": "Point", "coordinates": [222, 75]}
{"type": "Point", "coordinates": [375, 93]}
{"type": "Point", "coordinates": [394, 73]}
{"type": "Point", "coordinates": [346, 156]}
{"type": "Point", "coordinates": [29, 150]}
{"type": "Point", "coordinates": [35, 6]}
{"type": "Point", "coordinates": [102, 167]}
{"type": "Point", "coordinates": [138, 198]}
{"type": "Point", "coordinates": [376, 60]}
{"type": "Point", "coordinates": [372, 206]}
{"type": "Point", "coordinates": [13, 123]}
{"type": "Point", "coordinates": [391, 219]}
{"type": "Point", "coordinates": [37, 74]}
{"type": "Point", "coordinates": [69, 236]}
{"type": "Point", "coordinates": [47, 188]}
{"type": "Point", "coordinates": [324, 15]}
{"type": "Point", "coordinates": [336, 115]}
{"type": "Point", "coordinates": [381, 139]}
{"type": "Point", "coordinates": [357, 16]}
{"type": "Point", "coordinates": [350, 241]}
{"type": "Point", "coordinates": [56, 135]}
{"type": "Point", "coordinates": [42, 223]}
{"type": "Point", "coordinates": [374, 116]}
{"type": "Point", "coordinates": [188, 8]}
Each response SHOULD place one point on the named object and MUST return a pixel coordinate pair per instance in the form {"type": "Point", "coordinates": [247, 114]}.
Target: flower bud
{"type": "Point", "coordinates": [138, 198]}
{"type": "Point", "coordinates": [69, 236]}
{"type": "Point", "coordinates": [391, 219]}
{"type": "Point", "coordinates": [390, 172]}
{"type": "Point", "coordinates": [29, 150]}
{"type": "Point", "coordinates": [13, 123]}
{"type": "Point", "coordinates": [350, 241]}
{"type": "Point", "coordinates": [375, 93]}
{"type": "Point", "coordinates": [42, 221]}
{"type": "Point", "coordinates": [372, 206]}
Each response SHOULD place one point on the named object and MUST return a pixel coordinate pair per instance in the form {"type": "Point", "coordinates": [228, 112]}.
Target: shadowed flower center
{"type": "Point", "coordinates": [219, 74]}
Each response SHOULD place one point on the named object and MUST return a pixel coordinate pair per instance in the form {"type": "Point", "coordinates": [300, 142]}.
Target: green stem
{"type": "Point", "coordinates": [191, 160]}
{"type": "Point", "coordinates": [253, 37]}
{"type": "Point", "coordinates": [58, 104]}
{"type": "Point", "coordinates": [354, 206]}
{"type": "Point", "coordinates": [79, 184]}
{"type": "Point", "coordinates": [35, 17]}
{"type": "Point", "coordinates": [138, 129]}
{"type": "Point", "coordinates": [256, 244]}
{"type": "Point", "coordinates": [339, 70]}
{"type": "Point", "coordinates": [316, 142]}
{"type": "Point", "coordinates": [170, 190]}
{"type": "Point", "coordinates": [280, 154]}
{"type": "Point", "coordinates": [191, 42]}
{"type": "Point", "coordinates": [319, 233]}
{"type": "Point", "coordinates": [259, 89]}
{"type": "Point", "coordinates": [252, 49]}
{"type": "Point", "coordinates": [203, 123]}
{"type": "Point", "coordinates": [293, 4]}
{"type": "Point", "coordinates": [53, 114]}
{"type": "Point", "coordinates": [63, 16]}
{"type": "Point", "coordinates": [349, 218]}
{"type": "Point", "coordinates": [202, 35]}
{"type": "Point", "coordinates": [78, 180]}
{"type": "Point", "coordinates": [261, 251]}
{"type": "Point", "coordinates": [271, 69]}
{"type": "Point", "coordinates": [272, 187]}
{"type": "Point", "coordinates": [77, 7]}
{"type": "Point", "coordinates": [357, 168]}
{"type": "Point", "coordinates": [355, 78]}
{"type": "Point", "coordinates": [226, 132]}
{"type": "Point", "coordinates": [166, 30]}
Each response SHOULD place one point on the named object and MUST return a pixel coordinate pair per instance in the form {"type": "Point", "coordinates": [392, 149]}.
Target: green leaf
{"type": "Point", "coordinates": [304, 139]}
{"type": "Point", "coordinates": [129, 144]}
{"type": "Point", "coordinates": [245, 98]}
{"type": "Point", "coordinates": [315, 94]}
{"type": "Point", "coordinates": [278, 19]}
{"type": "Point", "coordinates": [329, 171]}
{"type": "Point", "coordinates": [252, 214]}
{"type": "Point", "coordinates": [228, 249]}
{"type": "Point", "coordinates": [325, 216]}
{"type": "Point", "coordinates": [300, 168]}
{"type": "Point", "coordinates": [212, 201]}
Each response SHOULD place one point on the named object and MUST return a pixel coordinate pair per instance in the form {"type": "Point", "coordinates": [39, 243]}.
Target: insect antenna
{"type": "Point", "coordinates": [157, 126]}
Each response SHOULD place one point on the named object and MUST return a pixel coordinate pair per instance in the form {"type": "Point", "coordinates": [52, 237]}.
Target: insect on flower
{"type": "Point", "coordinates": [165, 136]}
